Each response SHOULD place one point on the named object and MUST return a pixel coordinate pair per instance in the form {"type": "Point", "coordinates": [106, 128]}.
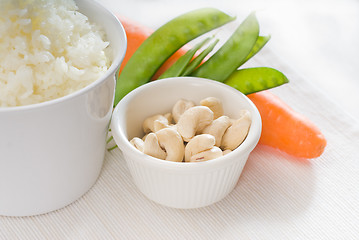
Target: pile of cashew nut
{"type": "Point", "coordinates": [193, 133]}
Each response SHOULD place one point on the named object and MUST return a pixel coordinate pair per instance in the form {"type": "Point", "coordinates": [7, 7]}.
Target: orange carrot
{"type": "Point", "coordinates": [137, 33]}
{"type": "Point", "coordinates": [285, 129]}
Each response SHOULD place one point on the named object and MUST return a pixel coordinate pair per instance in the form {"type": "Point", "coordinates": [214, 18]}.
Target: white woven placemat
{"type": "Point", "coordinates": [277, 197]}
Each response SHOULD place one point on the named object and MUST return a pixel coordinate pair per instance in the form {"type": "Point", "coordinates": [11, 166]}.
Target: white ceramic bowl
{"type": "Point", "coordinates": [178, 184]}
{"type": "Point", "coordinates": [51, 153]}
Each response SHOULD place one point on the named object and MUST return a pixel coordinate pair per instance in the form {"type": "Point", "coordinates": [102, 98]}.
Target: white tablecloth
{"type": "Point", "coordinates": [277, 196]}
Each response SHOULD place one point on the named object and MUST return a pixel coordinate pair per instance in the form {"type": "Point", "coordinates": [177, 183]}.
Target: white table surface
{"type": "Point", "coordinates": [277, 196]}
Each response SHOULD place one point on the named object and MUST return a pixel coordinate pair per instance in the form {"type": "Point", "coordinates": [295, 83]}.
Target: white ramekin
{"type": "Point", "coordinates": [174, 184]}
{"type": "Point", "coordinates": [51, 153]}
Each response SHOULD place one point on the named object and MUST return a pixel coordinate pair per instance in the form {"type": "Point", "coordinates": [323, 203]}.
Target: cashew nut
{"type": "Point", "coordinates": [193, 120]}
{"type": "Point", "coordinates": [236, 133]}
{"type": "Point", "coordinates": [212, 153]}
{"type": "Point", "coordinates": [217, 128]}
{"type": "Point", "coordinates": [172, 142]}
{"type": "Point", "coordinates": [198, 144]}
{"type": "Point", "coordinates": [149, 122]}
{"type": "Point", "coordinates": [225, 152]}
{"type": "Point", "coordinates": [169, 117]}
{"type": "Point", "coordinates": [158, 125]}
{"type": "Point", "coordinates": [215, 105]}
{"type": "Point", "coordinates": [137, 143]}
{"type": "Point", "coordinates": [152, 147]}
{"type": "Point", "coordinates": [144, 137]}
{"type": "Point", "coordinates": [180, 107]}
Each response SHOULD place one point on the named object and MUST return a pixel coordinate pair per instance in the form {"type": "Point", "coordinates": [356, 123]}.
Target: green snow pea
{"type": "Point", "coordinates": [261, 41]}
{"type": "Point", "coordinates": [233, 53]}
{"type": "Point", "coordinates": [197, 60]}
{"type": "Point", "coordinates": [167, 39]}
{"type": "Point", "coordinates": [179, 66]}
{"type": "Point", "coordinates": [251, 80]}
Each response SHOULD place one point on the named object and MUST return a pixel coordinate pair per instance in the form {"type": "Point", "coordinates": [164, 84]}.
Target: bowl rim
{"type": "Point", "coordinates": [115, 65]}
{"type": "Point", "coordinates": [124, 144]}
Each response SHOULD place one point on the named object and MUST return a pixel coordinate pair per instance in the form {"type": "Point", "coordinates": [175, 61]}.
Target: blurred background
{"type": "Point", "coordinates": [318, 39]}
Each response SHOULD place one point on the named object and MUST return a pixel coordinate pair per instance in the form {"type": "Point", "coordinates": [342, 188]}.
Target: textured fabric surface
{"type": "Point", "coordinates": [277, 197]}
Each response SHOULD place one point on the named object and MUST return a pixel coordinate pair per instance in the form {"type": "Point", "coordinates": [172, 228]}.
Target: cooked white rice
{"type": "Point", "coordinates": [47, 50]}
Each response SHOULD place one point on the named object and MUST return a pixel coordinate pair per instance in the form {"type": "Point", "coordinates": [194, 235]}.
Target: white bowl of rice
{"type": "Point", "coordinates": [58, 65]}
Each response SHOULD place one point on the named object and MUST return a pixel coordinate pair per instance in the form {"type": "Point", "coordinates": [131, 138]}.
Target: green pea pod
{"type": "Point", "coordinates": [261, 41]}
{"type": "Point", "coordinates": [178, 67]}
{"type": "Point", "coordinates": [233, 52]}
{"type": "Point", "coordinates": [197, 60]}
{"type": "Point", "coordinates": [165, 41]}
{"type": "Point", "coordinates": [251, 80]}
